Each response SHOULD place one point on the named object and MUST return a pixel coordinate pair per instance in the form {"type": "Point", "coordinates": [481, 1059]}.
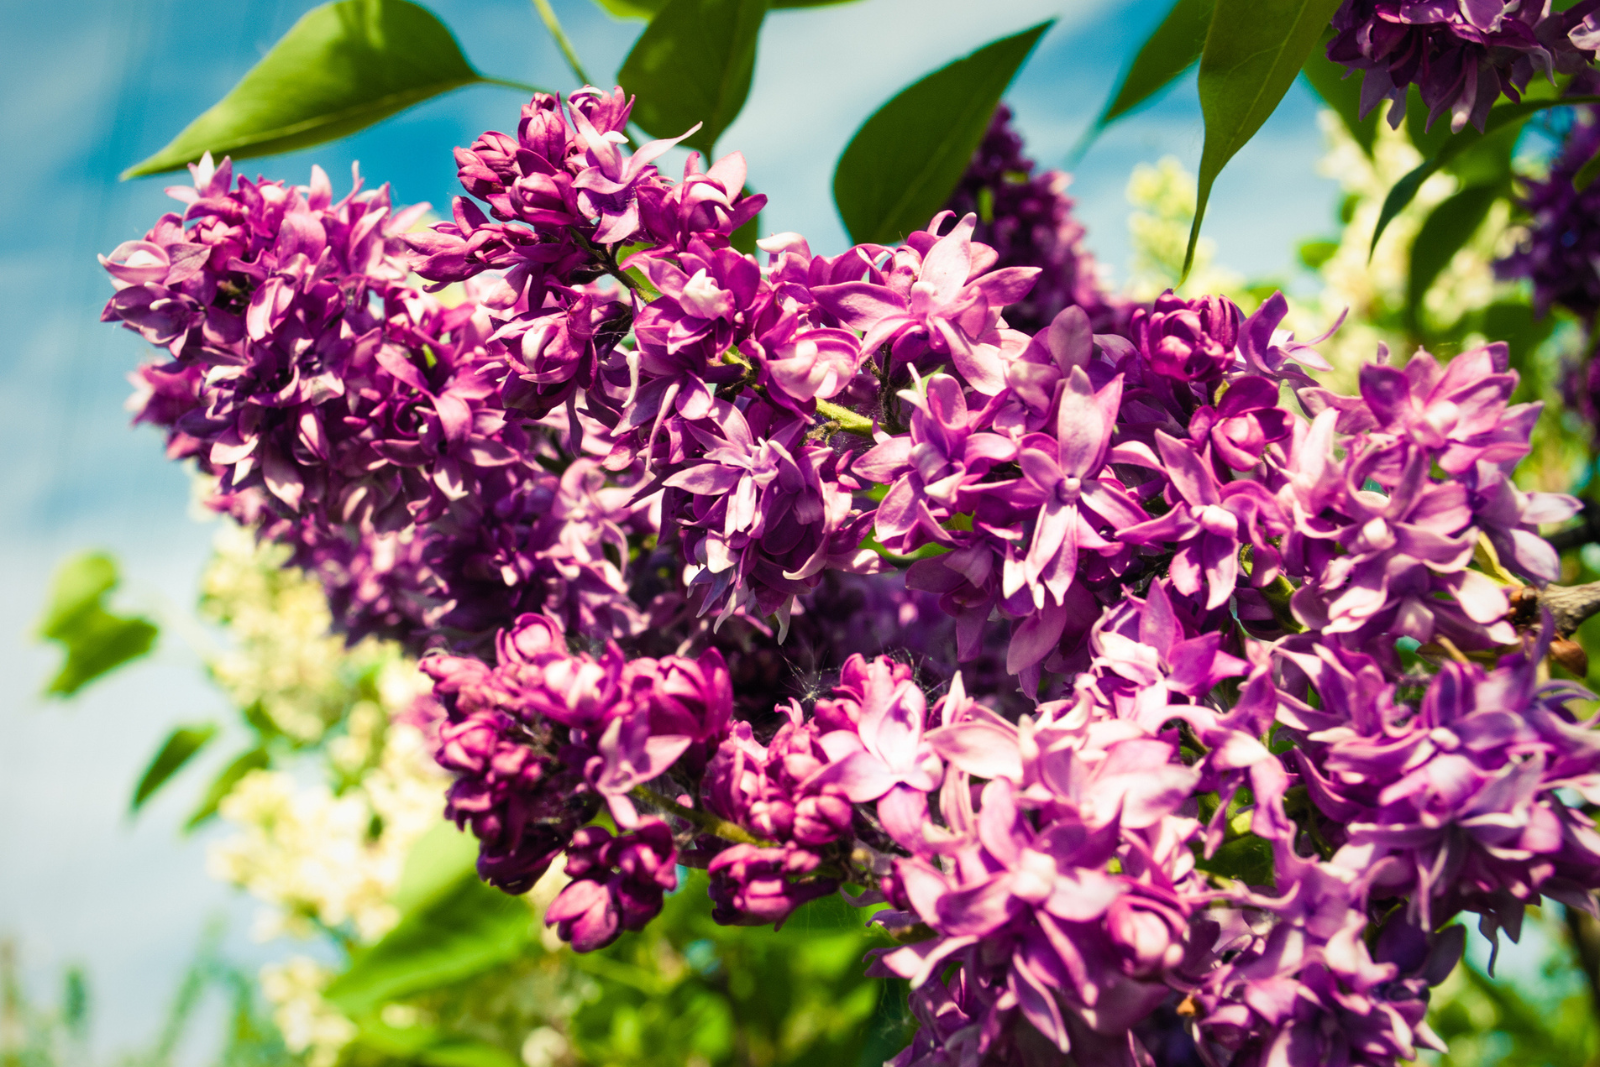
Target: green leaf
{"type": "Point", "coordinates": [692, 64]}
{"type": "Point", "coordinates": [95, 640]}
{"type": "Point", "coordinates": [1343, 95]}
{"type": "Point", "coordinates": [1506, 116]}
{"type": "Point", "coordinates": [1587, 173]}
{"type": "Point", "coordinates": [178, 749]}
{"type": "Point", "coordinates": [254, 760]}
{"type": "Point", "coordinates": [342, 67]}
{"type": "Point", "coordinates": [1254, 51]}
{"type": "Point", "coordinates": [904, 161]}
{"type": "Point", "coordinates": [464, 931]}
{"type": "Point", "coordinates": [1446, 230]}
{"type": "Point", "coordinates": [81, 584]}
{"type": "Point", "coordinates": [1169, 51]}
{"type": "Point", "coordinates": [437, 861]}
{"type": "Point", "coordinates": [1247, 858]}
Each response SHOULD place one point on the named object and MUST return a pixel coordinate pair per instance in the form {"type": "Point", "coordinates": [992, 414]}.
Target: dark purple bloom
{"type": "Point", "coordinates": [1461, 54]}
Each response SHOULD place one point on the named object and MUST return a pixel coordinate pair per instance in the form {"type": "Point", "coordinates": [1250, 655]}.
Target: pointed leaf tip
{"type": "Point", "coordinates": [342, 67]}
{"type": "Point", "coordinates": [903, 162]}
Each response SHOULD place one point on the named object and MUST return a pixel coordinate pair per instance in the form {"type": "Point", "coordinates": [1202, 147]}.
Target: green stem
{"type": "Point", "coordinates": [548, 16]}
{"type": "Point", "coordinates": [848, 420]}
{"type": "Point", "coordinates": [705, 820]}
{"type": "Point", "coordinates": [507, 83]}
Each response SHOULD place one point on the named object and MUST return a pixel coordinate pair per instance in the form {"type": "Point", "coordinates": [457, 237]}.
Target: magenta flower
{"type": "Point", "coordinates": [944, 304]}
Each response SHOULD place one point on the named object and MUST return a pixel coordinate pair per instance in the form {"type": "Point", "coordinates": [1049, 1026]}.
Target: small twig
{"type": "Point", "coordinates": [547, 15]}
{"type": "Point", "coordinates": [1570, 605]}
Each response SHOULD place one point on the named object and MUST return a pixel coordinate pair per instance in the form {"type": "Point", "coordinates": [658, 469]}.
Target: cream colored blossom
{"type": "Point", "coordinates": [310, 1027]}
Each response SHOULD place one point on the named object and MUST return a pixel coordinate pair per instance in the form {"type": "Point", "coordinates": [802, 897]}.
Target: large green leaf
{"type": "Point", "coordinates": [1506, 117]}
{"type": "Point", "coordinates": [256, 759]}
{"type": "Point", "coordinates": [1253, 53]}
{"type": "Point", "coordinates": [95, 640]}
{"type": "Point", "coordinates": [341, 68]}
{"type": "Point", "coordinates": [1169, 51]}
{"type": "Point", "coordinates": [463, 931]}
{"type": "Point", "coordinates": [179, 748]}
{"type": "Point", "coordinates": [1343, 94]}
{"type": "Point", "coordinates": [692, 64]}
{"type": "Point", "coordinates": [1446, 230]}
{"type": "Point", "coordinates": [903, 162]}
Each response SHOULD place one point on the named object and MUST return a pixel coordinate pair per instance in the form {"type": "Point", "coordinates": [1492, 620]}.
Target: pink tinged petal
{"type": "Point", "coordinates": [861, 775]}
{"type": "Point", "coordinates": [1007, 285]}
{"type": "Point", "coordinates": [1038, 1004]}
{"type": "Point", "coordinates": [1221, 556]}
{"type": "Point", "coordinates": [904, 812]}
{"type": "Point", "coordinates": [1536, 556]}
{"type": "Point", "coordinates": [1481, 597]}
{"type": "Point", "coordinates": [1189, 475]}
{"type": "Point", "coordinates": [924, 886]}
{"type": "Point", "coordinates": [897, 514]}
{"type": "Point", "coordinates": [978, 909]}
{"type": "Point", "coordinates": [1082, 895]}
{"type": "Point", "coordinates": [999, 826]}
{"type": "Point", "coordinates": [1056, 521]}
{"type": "Point", "coordinates": [860, 305]}
{"type": "Point", "coordinates": [981, 365]}
{"type": "Point", "coordinates": [981, 749]}
{"type": "Point", "coordinates": [885, 461]}
{"type": "Point", "coordinates": [283, 477]}
{"type": "Point", "coordinates": [1081, 425]}
{"type": "Point", "coordinates": [661, 753]}
{"type": "Point", "coordinates": [949, 261]}
{"type": "Point", "coordinates": [1034, 639]}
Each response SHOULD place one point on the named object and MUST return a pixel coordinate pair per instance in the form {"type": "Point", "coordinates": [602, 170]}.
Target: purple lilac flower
{"type": "Point", "coordinates": [1462, 55]}
{"type": "Point", "coordinates": [1559, 252]}
{"type": "Point", "coordinates": [606, 491]}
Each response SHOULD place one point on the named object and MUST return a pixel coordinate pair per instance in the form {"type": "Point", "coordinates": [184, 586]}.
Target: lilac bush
{"type": "Point", "coordinates": [1181, 711]}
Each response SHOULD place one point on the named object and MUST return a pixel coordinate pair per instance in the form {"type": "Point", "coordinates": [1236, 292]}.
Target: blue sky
{"type": "Point", "coordinates": [92, 85]}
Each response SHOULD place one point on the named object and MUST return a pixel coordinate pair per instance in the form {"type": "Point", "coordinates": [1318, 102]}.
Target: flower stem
{"type": "Point", "coordinates": [705, 820]}
{"type": "Point", "coordinates": [847, 420]}
{"type": "Point", "coordinates": [547, 15]}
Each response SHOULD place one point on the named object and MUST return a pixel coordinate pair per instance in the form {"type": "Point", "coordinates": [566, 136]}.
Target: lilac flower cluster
{"type": "Point", "coordinates": [1206, 715]}
{"type": "Point", "coordinates": [1560, 251]}
{"type": "Point", "coordinates": [1462, 55]}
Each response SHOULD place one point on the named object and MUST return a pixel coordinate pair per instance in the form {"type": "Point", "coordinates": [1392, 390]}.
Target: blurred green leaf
{"type": "Point", "coordinates": [180, 746]}
{"type": "Point", "coordinates": [464, 930]}
{"type": "Point", "coordinates": [903, 162]}
{"type": "Point", "coordinates": [342, 67]}
{"type": "Point", "coordinates": [1247, 859]}
{"type": "Point", "coordinates": [1313, 254]}
{"type": "Point", "coordinates": [1587, 173]}
{"type": "Point", "coordinates": [254, 760]}
{"type": "Point", "coordinates": [1343, 94]}
{"type": "Point", "coordinates": [1447, 228]}
{"type": "Point", "coordinates": [1503, 117]}
{"type": "Point", "coordinates": [81, 584]}
{"type": "Point", "coordinates": [437, 861]}
{"type": "Point", "coordinates": [1172, 48]}
{"type": "Point", "coordinates": [692, 64]}
{"type": "Point", "coordinates": [1254, 50]}
{"type": "Point", "coordinates": [95, 640]}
